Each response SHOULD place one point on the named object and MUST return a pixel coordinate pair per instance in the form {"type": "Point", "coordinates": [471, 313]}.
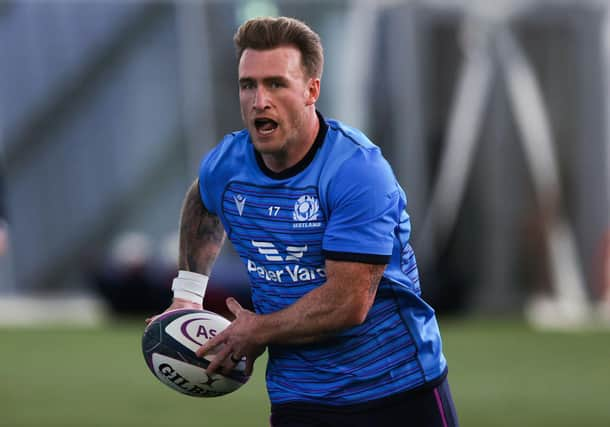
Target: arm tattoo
{"type": "Point", "coordinates": [376, 275]}
{"type": "Point", "coordinates": [201, 234]}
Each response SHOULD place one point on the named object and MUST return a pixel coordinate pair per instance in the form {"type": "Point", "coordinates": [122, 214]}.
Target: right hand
{"type": "Point", "coordinates": [177, 303]}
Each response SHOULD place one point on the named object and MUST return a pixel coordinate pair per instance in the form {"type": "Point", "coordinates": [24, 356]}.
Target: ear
{"type": "Point", "coordinates": [313, 91]}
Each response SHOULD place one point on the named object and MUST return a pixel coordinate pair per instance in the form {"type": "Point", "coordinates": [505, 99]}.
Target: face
{"type": "Point", "coordinates": [277, 100]}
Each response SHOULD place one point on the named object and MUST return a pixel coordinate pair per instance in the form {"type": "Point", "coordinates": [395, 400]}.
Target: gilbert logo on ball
{"type": "Point", "coordinates": [169, 344]}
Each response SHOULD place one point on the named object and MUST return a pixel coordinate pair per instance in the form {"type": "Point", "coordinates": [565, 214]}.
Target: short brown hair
{"type": "Point", "coordinates": [269, 33]}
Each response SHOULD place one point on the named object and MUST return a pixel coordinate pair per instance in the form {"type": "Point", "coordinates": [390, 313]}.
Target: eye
{"type": "Point", "coordinates": [275, 84]}
{"type": "Point", "coordinates": [245, 85]}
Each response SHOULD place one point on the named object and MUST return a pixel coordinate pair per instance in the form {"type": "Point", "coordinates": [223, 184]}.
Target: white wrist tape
{"type": "Point", "coordinates": [190, 286]}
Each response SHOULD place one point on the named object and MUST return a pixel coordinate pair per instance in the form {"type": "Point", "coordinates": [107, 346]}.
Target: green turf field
{"type": "Point", "coordinates": [502, 374]}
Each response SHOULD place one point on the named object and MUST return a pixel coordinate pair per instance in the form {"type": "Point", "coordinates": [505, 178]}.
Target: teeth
{"type": "Point", "coordinates": [265, 126]}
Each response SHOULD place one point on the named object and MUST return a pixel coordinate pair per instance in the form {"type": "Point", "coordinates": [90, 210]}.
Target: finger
{"type": "Point", "coordinates": [229, 365]}
{"type": "Point", "coordinates": [211, 344]}
{"type": "Point", "coordinates": [150, 319]}
{"type": "Point", "coordinates": [249, 366]}
{"type": "Point", "coordinates": [233, 306]}
{"type": "Point", "coordinates": [207, 347]}
{"type": "Point", "coordinates": [218, 361]}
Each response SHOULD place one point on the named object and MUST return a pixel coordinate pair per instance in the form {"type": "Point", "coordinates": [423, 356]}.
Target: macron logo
{"type": "Point", "coordinates": [240, 201]}
{"type": "Point", "coordinates": [294, 253]}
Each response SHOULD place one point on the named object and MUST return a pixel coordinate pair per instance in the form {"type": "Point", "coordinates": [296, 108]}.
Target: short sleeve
{"type": "Point", "coordinates": [204, 182]}
{"type": "Point", "coordinates": [364, 210]}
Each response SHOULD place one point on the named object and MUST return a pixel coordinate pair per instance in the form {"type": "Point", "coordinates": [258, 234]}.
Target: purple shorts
{"type": "Point", "coordinates": [429, 406]}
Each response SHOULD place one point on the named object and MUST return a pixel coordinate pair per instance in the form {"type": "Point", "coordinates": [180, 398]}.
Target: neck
{"type": "Point", "coordinates": [297, 149]}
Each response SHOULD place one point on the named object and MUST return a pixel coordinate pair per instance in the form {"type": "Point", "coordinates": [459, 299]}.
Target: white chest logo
{"type": "Point", "coordinates": [293, 253]}
{"type": "Point", "coordinates": [306, 209]}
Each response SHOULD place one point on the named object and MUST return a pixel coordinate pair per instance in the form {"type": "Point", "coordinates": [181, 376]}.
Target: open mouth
{"type": "Point", "coordinates": [265, 126]}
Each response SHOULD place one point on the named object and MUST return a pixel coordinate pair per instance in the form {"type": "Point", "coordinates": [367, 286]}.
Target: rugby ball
{"type": "Point", "coordinates": [169, 344]}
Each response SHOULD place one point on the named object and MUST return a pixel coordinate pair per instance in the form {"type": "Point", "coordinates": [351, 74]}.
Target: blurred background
{"type": "Point", "coordinates": [494, 115]}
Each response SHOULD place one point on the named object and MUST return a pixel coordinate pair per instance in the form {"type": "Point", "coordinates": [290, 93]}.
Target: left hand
{"type": "Point", "coordinates": [238, 340]}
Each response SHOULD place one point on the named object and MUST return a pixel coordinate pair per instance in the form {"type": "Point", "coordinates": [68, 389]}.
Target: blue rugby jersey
{"type": "Point", "coordinates": [341, 202]}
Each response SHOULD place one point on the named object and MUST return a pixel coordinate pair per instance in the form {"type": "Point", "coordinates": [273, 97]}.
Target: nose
{"type": "Point", "coordinates": [261, 100]}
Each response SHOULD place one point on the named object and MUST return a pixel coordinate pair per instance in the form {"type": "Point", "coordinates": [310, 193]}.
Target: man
{"type": "Point", "coordinates": [317, 217]}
